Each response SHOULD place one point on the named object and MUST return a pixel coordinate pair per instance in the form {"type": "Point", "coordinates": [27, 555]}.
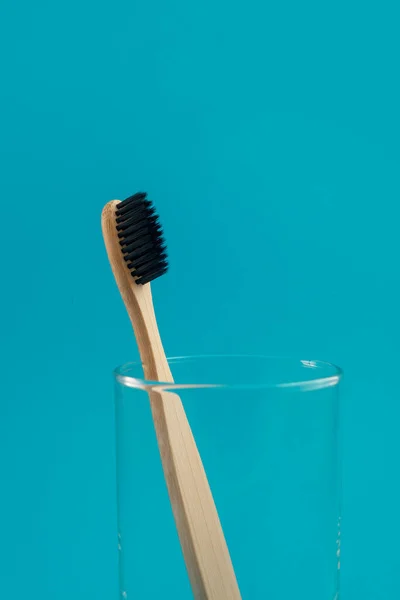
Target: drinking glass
{"type": "Point", "coordinates": [267, 430]}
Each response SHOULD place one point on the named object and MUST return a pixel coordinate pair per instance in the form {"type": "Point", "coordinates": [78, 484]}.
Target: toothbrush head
{"type": "Point", "coordinates": [141, 238]}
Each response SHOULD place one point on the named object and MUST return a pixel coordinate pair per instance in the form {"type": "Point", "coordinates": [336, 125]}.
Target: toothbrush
{"type": "Point", "coordinates": [137, 254]}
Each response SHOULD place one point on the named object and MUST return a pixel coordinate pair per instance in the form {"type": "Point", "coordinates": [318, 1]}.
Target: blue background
{"type": "Point", "coordinates": [268, 136]}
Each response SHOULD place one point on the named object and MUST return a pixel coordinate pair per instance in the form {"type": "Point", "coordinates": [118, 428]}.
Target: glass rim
{"type": "Point", "coordinates": [330, 376]}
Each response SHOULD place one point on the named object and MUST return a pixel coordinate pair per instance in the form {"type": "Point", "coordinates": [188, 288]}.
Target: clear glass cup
{"type": "Point", "coordinates": [267, 430]}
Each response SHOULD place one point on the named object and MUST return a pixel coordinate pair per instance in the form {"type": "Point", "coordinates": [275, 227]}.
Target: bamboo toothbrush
{"type": "Point", "coordinates": [137, 254]}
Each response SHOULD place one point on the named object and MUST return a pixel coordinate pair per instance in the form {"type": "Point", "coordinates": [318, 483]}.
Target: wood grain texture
{"type": "Point", "coordinates": [202, 540]}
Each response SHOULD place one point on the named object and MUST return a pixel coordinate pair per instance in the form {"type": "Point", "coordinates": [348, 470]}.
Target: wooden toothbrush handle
{"type": "Point", "coordinates": [202, 540]}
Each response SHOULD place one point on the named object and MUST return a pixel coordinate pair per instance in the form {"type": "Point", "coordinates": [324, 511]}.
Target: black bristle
{"type": "Point", "coordinates": [141, 238]}
{"type": "Point", "coordinates": [135, 197]}
{"type": "Point", "coordinates": [152, 275]}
